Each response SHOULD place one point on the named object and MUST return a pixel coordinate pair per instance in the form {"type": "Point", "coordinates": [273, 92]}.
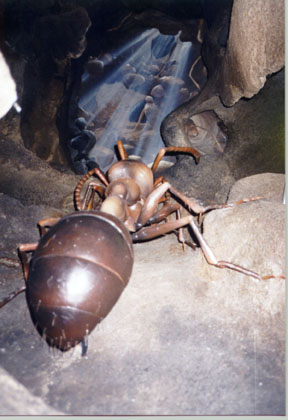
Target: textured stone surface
{"type": "Point", "coordinates": [25, 177]}
{"type": "Point", "coordinates": [255, 48]}
{"type": "Point", "coordinates": [269, 185]}
{"type": "Point", "coordinates": [15, 399]}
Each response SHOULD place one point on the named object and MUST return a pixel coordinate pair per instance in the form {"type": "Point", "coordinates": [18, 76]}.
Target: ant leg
{"type": "Point", "coordinates": [191, 71]}
{"type": "Point", "coordinates": [151, 203]}
{"type": "Point", "coordinates": [194, 205]}
{"type": "Point", "coordinates": [79, 186]}
{"type": "Point", "coordinates": [154, 231]}
{"type": "Point", "coordinates": [84, 344]}
{"type": "Point", "coordinates": [162, 213]}
{"type": "Point", "coordinates": [159, 180]}
{"type": "Point", "coordinates": [164, 150]}
{"type": "Point", "coordinates": [22, 249]}
{"type": "Point", "coordinates": [212, 260]}
{"type": "Point", "coordinates": [12, 296]}
{"type": "Point", "coordinates": [229, 205]}
{"type": "Point", "coordinates": [93, 187]}
{"type": "Point", "coordinates": [44, 223]}
{"type": "Point", "coordinates": [122, 151]}
{"type": "Point", "coordinates": [155, 196]}
{"type": "Point", "coordinates": [180, 234]}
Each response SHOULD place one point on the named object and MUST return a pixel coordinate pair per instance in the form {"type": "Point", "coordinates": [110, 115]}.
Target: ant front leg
{"type": "Point", "coordinates": [121, 149]}
{"type": "Point", "coordinates": [12, 295]}
{"type": "Point", "coordinates": [23, 249]}
{"type": "Point", "coordinates": [46, 223]}
{"type": "Point", "coordinates": [86, 202]}
{"type": "Point", "coordinates": [165, 150]}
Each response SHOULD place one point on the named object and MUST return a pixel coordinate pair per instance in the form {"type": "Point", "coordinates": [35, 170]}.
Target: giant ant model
{"type": "Point", "coordinates": [83, 262]}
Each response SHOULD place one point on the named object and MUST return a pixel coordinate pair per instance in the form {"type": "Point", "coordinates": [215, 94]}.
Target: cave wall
{"type": "Point", "coordinates": [255, 122]}
{"type": "Point", "coordinates": [56, 37]}
{"type": "Point", "coordinates": [255, 48]}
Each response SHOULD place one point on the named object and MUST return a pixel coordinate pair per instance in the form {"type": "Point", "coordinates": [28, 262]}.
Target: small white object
{"type": "Point", "coordinates": [8, 95]}
{"type": "Point", "coordinates": [17, 107]}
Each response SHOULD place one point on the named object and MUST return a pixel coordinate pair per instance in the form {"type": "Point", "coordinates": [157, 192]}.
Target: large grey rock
{"type": "Point", "coordinates": [255, 48]}
{"type": "Point", "coordinates": [268, 185]}
{"type": "Point", "coordinates": [250, 234]}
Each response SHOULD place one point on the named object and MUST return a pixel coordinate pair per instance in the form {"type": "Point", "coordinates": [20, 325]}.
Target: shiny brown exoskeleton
{"type": "Point", "coordinates": [72, 282]}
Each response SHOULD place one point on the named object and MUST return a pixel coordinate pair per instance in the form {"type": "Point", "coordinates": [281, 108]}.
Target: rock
{"type": "Point", "coordinates": [270, 185]}
{"type": "Point", "coordinates": [26, 177]}
{"type": "Point", "coordinates": [157, 91]}
{"type": "Point", "coordinates": [94, 67]}
{"type": "Point", "coordinates": [252, 234]}
{"type": "Point", "coordinates": [21, 227]}
{"type": "Point", "coordinates": [133, 80]}
{"type": "Point", "coordinates": [15, 399]}
{"type": "Point", "coordinates": [167, 81]}
{"type": "Point", "coordinates": [62, 36]}
{"type": "Point", "coordinates": [127, 68]}
{"type": "Point", "coordinates": [255, 48]}
{"type": "Point", "coordinates": [204, 133]}
{"type": "Point", "coordinates": [136, 111]}
{"type": "Point", "coordinates": [153, 69]}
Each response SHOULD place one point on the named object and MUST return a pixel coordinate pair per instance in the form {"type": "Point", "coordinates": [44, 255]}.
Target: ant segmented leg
{"type": "Point", "coordinates": [165, 150]}
{"type": "Point", "coordinates": [89, 195]}
{"type": "Point", "coordinates": [84, 344]}
{"type": "Point", "coordinates": [23, 249]}
{"type": "Point", "coordinates": [79, 186]}
{"type": "Point", "coordinates": [151, 203]}
{"type": "Point", "coordinates": [229, 205]}
{"type": "Point", "coordinates": [154, 231]}
{"type": "Point", "coordinates": [121, 149]}
{"type": "Point", "coordinates": [12, 296]}
{"type": "Point", "coordinates": [44, 223]}
{"type": "Point", "coordinates": [212, 260]}
{"type": "Point", "coordinates": [164, 212]}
